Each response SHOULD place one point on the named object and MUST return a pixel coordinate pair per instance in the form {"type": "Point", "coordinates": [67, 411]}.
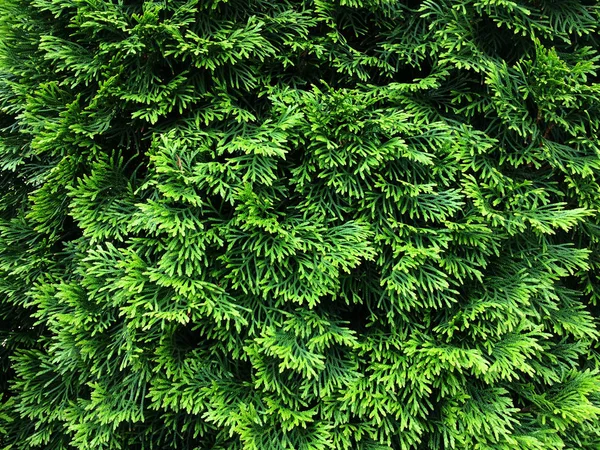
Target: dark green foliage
{"type": "Point", "coordinates": [268, 225]}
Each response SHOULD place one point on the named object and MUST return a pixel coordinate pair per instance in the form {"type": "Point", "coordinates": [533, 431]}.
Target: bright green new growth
{"type": "Point", "coordinates": [307, 225]}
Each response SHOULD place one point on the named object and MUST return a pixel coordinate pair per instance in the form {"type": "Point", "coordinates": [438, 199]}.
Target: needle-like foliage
{"type": "Point", "coordinates": [299, 224]}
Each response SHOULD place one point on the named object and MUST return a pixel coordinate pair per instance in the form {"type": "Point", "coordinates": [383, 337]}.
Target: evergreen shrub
{"type": "Point", "coordinates": [299, 224]}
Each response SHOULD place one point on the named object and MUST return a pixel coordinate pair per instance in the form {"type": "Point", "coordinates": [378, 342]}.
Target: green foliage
{"type": "Point", "coordinates": [308, 225]}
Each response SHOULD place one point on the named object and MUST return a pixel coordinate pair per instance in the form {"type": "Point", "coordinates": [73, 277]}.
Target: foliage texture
{"type": "Point", "coordinates": [307, 225]}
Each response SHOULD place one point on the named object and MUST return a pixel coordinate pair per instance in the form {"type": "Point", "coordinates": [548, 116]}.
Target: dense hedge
{"type": "Point", "coordinates": [318, 224]}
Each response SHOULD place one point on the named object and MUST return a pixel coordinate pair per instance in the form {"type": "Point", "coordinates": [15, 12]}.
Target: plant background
{"type": "Point", "coordinates": [353, 224]}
